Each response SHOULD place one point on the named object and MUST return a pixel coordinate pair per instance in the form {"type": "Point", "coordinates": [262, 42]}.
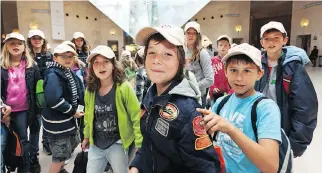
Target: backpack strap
{"type": "Point", "coordinates": [254, 116]}
{"type": "Point", "coordinates": [222, 103]}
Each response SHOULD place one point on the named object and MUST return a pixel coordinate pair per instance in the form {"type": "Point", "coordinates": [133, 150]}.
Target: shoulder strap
{"type": "Point", "coordinates": [222, 103]}
{"type": "Point", "coordinates": [254, 116]}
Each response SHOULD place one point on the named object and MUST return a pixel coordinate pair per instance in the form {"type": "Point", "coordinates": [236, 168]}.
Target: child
{"type": "Point", "coordinates": [38, 49]}
{"type": "Point", "coordinates": [173, 140]}
{"type": "Point", "coordinates": [142, 81]}
{"type": "Point", "coordinates": [314, 55]}
{"type": "Point", "coordinates": [63, 94]}
{"type": "Point", "coordinates": [236, 136]}
{"type": "Point", "coordinates": [112, 118]}
{"type": "Point", "coordinates": [287, 83]}
{"type": "Point", "coordinates": [5, 121]}
{"type": "Point", "coordinates": [199, 59]}
{"type": "Point", "coordinates": [82, 46]}
{"type": "Point", "coordinates": [220, 87]}
{"type": "Point", "coordinates": [129, 66]}
{"type": "Point", "coordinates": [19, 75]}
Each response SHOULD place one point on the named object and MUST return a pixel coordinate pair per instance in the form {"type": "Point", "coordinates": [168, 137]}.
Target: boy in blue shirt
{"type": "Point", "coordinates": [234, 126]}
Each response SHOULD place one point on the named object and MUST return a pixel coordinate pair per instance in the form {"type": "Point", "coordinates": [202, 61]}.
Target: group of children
{"type": "Point", "coordinates": [165, 123]}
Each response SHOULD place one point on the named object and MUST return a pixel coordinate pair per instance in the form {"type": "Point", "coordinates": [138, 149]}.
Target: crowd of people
{"type": "Point", "coordinates": [149, 112]}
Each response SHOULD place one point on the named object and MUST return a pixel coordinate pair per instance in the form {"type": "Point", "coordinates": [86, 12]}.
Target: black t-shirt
{"type": "Point", "coordinates": [106, 130]}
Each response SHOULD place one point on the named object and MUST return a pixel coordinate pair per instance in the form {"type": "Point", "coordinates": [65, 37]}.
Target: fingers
{"type": "Point", "coordinates": [210, 121]}
{"type": "Point", "coordinates": [214, 129]}
{"type": "Point", "coordinates": [203, 111]}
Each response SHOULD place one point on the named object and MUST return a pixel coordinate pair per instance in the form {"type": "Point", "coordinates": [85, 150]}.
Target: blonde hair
{"type": "Point", "coordinates": [5, 57]}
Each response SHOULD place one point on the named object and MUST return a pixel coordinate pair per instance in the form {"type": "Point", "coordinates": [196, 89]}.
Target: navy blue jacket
{"type": "Point", "coordinates": [58, 110]}
{"type": "Point", "coordinates": [168, 137]}
{"type": "Point", "coordinates": [298, 108]}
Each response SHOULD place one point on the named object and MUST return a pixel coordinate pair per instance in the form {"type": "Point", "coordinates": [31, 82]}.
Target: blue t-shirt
{"type": "Point", "coordinates": [238, 112]}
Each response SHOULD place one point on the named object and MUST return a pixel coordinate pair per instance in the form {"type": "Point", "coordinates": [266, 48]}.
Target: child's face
{"type": "Point", "coordinates": [242, 77]}
{"type": "Point", "coordinates": [65, 59]}
{"type": "Point", "coordinates": [79, 42]}
{"type": "Point", "coordinates": [223, 46]}
{"type": "Point", "coordinates": [161, 62]}
{"type": "Point", "coordinates": [16, 47]}
{"type": "Point", "coordinates": [102, 67]}
{"type": "Point", "coordinates": [191, 35]}
{"type": "Point", "coordinates": [36, 41]}
{"type": "Point", "coordinates": [273, 42]}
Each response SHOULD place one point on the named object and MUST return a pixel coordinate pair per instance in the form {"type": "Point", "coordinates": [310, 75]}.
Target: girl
{"type": "Point", "coordinates": [142, 82]}
{"type": "Point", "coordinates": [19, 75]}
{"type": "Point", "coordinates": [173, 138]}
{"type": "Point", "coordinates": [37, 44]}
{"type": "Point", "coordinates": [199, 59]}
{"type": "Point", "coordinates": [82, 46]}
{"type": "Point", "coordinates": [112, 116]}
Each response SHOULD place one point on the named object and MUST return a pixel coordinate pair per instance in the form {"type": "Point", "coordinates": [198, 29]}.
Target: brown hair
{"type": "Point", "coordinates": [181, 55]}
{"type": "Point", "coordinates": [43, 47]}
{"type": "Point", "coordinates": [195, 56]}
{"type": "Point", "coordinates": [94, 84]}
{"type": "Point", "coordinates": [85, 46]}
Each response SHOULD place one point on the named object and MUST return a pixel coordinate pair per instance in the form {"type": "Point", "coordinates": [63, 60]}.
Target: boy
{"type": "Point", "coordinates": [221, 84]}
{"type": "Point", "coordinates": [236, 136]}
{"type": "Point", "coordinates": [287, 83]}
{"type": "Point", "coordinates": [63, 93]}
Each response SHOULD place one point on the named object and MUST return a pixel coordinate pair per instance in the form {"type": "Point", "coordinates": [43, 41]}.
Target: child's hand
{"type": "Point", "coordinates": [6, 110]}
{"type": "Point", "coordinates": [6, 120]}
{"type": "Point", "coordinates": [79, 114]}
{"type": "Point", "coordinates": [85, 144]}
{"type": "Point", "coordinates": [134, 170]}
{"type": "Point", "coordinates": [214, 123]}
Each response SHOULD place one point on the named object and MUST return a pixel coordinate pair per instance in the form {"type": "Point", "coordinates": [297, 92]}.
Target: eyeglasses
{"type": "Point", "coordinates": [65, 56]}
{"type": "Point", "coordinates": [36, 38]}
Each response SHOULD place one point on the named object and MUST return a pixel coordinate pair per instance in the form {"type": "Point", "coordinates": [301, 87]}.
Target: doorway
{"type": "Point", "coordinates": [304, 42]}
{"type": "Point", "coordinates": [114, 45]}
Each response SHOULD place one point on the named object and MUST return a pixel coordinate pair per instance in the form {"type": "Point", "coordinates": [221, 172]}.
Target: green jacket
{"type": "Point", "coordinates": [128, 114]}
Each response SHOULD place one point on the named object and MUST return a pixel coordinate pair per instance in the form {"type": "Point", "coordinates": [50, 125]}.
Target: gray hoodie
{"type": "Point", "coordinates": [187, 88]}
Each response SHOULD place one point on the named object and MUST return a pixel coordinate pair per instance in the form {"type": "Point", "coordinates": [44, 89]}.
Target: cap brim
{"type": "Point", "coordinates": [225, 58]}
{"type": "Point", "coordinates": [144, 34]}
{"type": "Point", "coordinates": [270, 29]}
{"type": "Point", "coordinates": [36, 34]}
{"type": "Point", "coordinates": [13, 38]}
{"type": "Point", "coordinates": [89, 58]}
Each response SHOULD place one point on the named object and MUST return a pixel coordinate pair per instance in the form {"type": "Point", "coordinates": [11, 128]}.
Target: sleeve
{"type": "Point", "coordinates": [137, 161]}
{"type": "Point", "coordinates": [268, 120]}
{"type": "Point", "coordinates": [86, 116]}
{"type": "Point", "coordinates": [133, 109]}
{"type": "Point", "coordinates": [54, 97]}
{"type": "Point", "coordinates": [139, 86]}
{"type": "Point", "coordinates": [303, 108]}
{"type": "Point", "coordinates": [205, 63]}
{"type": "Point", "coordinates": [196, 147]}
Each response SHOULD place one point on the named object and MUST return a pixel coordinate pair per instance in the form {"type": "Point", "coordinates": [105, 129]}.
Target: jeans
{"type": "Point", "coordinates": [3, 143]}
{"type": "Point", "coordinates": [19, 123]}
{"type": "Point", "coordinates": [34, 137]}
{"type": "Point", "coordinates": [115, 155]}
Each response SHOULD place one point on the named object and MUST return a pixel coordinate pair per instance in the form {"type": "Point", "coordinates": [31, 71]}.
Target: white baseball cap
{"type": "Point", "coordinates": [69, 43]}
{"type": "Point", "coordinates": [78, 35]}
{"type": "Point", "coordinates": [14, 35]}
{"type": "Point", "coordinates": [34, 32]}
{"type": "Point", "coordinates": [224, 37]}
{"type": "Point", "coordinates": [273, 25]}
{"type": "Point", "coordinates": [193, 25]}
{"type": "Point", "coordinates": [105, 51]}
{"type": "Point", "coordinates": [171, 33]}
{"type": "Point", "coordinates": [245, 49]}
{"type": "Point", "coordinates": [62, 48]}
{"type": "Point", "coordinates": [126, 53]}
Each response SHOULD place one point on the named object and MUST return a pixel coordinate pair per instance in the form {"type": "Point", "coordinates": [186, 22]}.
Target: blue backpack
{"type": "Point", "coordinates": [285, 151]}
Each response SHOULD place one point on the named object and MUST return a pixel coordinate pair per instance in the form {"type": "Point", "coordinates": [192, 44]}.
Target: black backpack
{"type": "Point", "coordinates": [13, 153]}
{"type": "Point", "coordinates": [80, 162]}
{"type": "Point", "coordinates": [285, 151]}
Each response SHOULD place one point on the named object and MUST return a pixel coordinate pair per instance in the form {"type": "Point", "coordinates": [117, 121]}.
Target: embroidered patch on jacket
{"type": "Point", "coordinates": [142, 112]}
{"type": "Point", "coordinates": [162, 127]}
{"type": "Point", "coordinates": [198, 126]}
{"type": "Point", "coordinates": [202, 142]}
{"type": "Point", "coordinates": [170, 112]}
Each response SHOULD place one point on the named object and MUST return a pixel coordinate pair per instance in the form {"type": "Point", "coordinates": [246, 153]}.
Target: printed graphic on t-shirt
{"type": "Point", "coordinates": [217, 67]}
{"type": "Point", "coordinates": [224, 140]}
{"type": "Point", "coordinates": [106, 124]}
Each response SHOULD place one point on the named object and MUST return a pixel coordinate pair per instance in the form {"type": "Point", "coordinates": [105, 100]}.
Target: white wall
{"type": "Point", "coordinates": [314, 28]}
{"type": "Point", "coordinates": [213, 28]}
